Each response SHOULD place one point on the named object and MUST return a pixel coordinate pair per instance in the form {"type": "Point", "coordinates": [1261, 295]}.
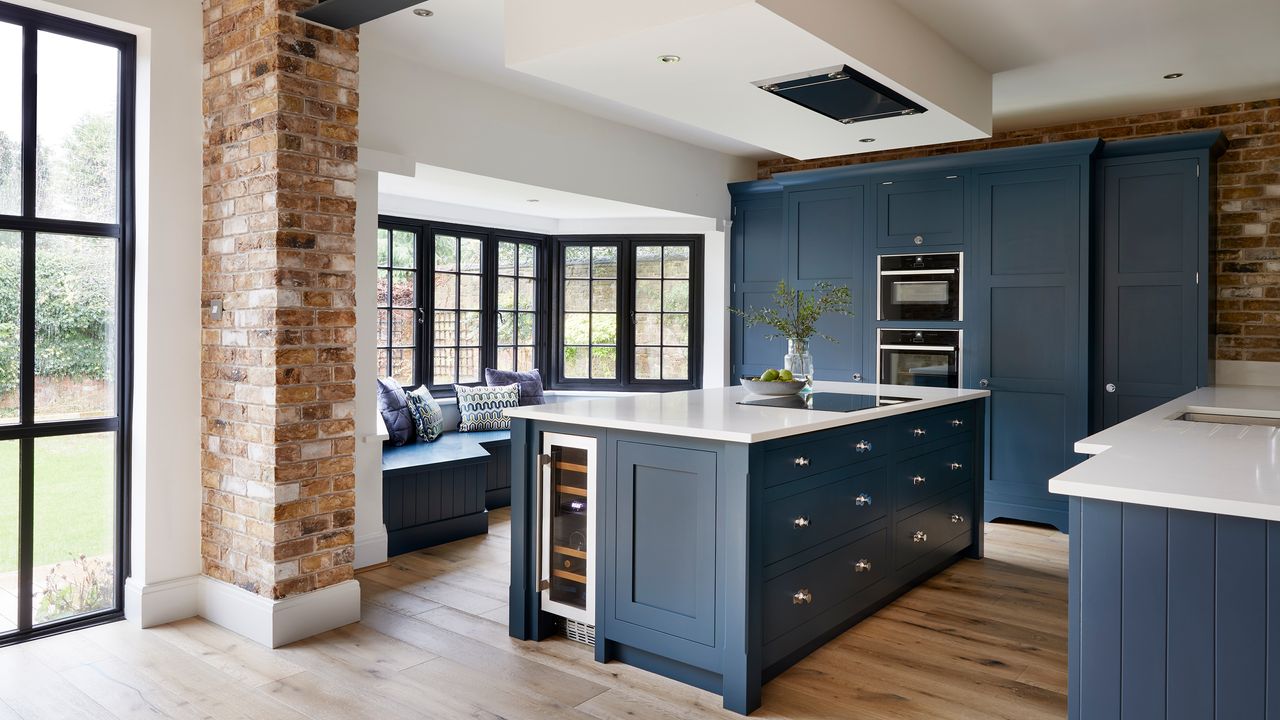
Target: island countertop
{"type": "Point", "coordinates": [714, 414]}
{"type": "Point", "coordinates": [1155, 459]}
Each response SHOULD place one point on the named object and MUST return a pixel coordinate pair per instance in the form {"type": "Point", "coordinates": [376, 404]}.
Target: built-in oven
{"type": "Point", "coordinates": [924, 358]}
{"type": "Point", "coordinates": [924, 286]}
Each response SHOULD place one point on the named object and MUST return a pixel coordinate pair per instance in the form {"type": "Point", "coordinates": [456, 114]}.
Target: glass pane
{"type": "Point", "coordinates": [604, 261]}
{"type": "Point", "coordinates": [648, 295]}
{"type": "Point", "coordinates": [384, 365]}
{"type": "Point", "coordinates": [384, 239]}
{"type": "Point", "coordinates": [648, 329]}
{"type": "Point", "coordinates": [445, 328]}
{"type": "Point", "coordinates": [74, 526]}
{"type": "Point", "coordinates": [524, 358]}
{"type": "Point", "coordinates": [10, 129]}
{"type": "Point", "coordinates": [446, 290]}
{"type": "Point", "coordinates": [384, 329]}
{"type": "Point", "coordinates": [604, 295]}
{"type": "Point", "coordinates": [404, 253]}
{"type": "Point", "coordinates": [469, 292]}
{"type": "Point", "coordinates": [506, 328]}
{"type": "Point", "coordinates": [446, 252]}
{"type": "Point", "coordinates": [469, 255]}
{"type": "Point", "coordinates": [402, 290]}
{"type": "Point", "coordinates": [384, 288]}
{"type": "Point", "coordinates": [604, 329]}
{"type": "Point", "coordinates": [527, 323]}
{"type": "Point", "coordinates": [648, 363]}
{"type": "Point", "coordinates": [675, 295]}
{"type": "Point", "coordinates": [402, 366]}
{"type": "Point", "coordinates": [649, 261]}
{"type": "Point", "coordinates": [577, 328]}
{"type": "Point", "coordinates": [528, 294]}
{"type": "Point", "coordinates": [675, 363]}
{"type": "Point", "coordinates": [75, 353]}
{"type": "Point", "coordinates": [676, 261]}
{"type": "Point", "coordinates": [506, 358]}
{"type": "Point", "coordinates": [403, 324]}
{"type": "Point", "coordinates": [469, 365]}
{"type": "Point", "coordinates": [10, 346]}
{"type": "Point", "coordinates": [675, 330]}
{"type": "Point", "coordinates": [76, 108]}
{"type": "Point", "coordinates": [528, 260]}
{"type": "Point", "coordinates": [577, 362]}
{"type": "Point", "coordinates": [577, 261]}
{"type": "Point", "coordinates": [506, 258]}
{"type": "Point", "coordinates": [506, 293]}
{"type": "Point", "coordinates": [469, 328]}
{"type": "Point", "coordinates": [604, 362]}
{"type": "Point", "coordinates": [8, 535]}
{"type": "Point", "coordinates": [577, 295]}
{"type": "Point", "coordinates": [445, 366]}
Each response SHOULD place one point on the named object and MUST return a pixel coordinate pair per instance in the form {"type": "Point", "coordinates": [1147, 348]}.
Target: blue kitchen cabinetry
{"type": "Point", "coordinates": [921, 212]}
{"type": "Point", "coordinates": [760, 256]}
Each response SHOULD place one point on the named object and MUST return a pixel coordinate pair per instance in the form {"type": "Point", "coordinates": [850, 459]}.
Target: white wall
{"type": "Point", "coordinates": [371, 532]}
{"type": "Point", "coordinates": [165, 507]}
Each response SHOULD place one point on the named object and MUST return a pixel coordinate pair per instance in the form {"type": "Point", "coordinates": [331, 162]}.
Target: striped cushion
{"type": "Point", "coordinates": [484, 408]}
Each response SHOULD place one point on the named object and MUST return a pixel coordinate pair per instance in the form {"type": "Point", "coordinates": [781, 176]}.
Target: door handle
{"type": "Point", "coordinates": [984, 382]}
{"type": "Point", "coordinates": [1111, 387]}
{"type": "Point", "coordinates": [544, 476]}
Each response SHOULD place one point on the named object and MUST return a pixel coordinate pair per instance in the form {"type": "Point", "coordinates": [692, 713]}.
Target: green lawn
{"type": "Point", "coordinates": [75, 490]}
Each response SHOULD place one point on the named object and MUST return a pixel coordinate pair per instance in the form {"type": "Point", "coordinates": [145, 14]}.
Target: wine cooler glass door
{"type": "Point", "coordinates": [567, 518]}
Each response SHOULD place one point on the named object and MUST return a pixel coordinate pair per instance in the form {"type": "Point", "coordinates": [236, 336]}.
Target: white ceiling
{"type": "Point", "coordinates": [1064, 61]}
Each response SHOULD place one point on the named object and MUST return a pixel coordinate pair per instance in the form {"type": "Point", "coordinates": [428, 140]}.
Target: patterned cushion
{"type": "Point", "coordinates": [530, 383]}
{"type": "Point", "coordinates": [427, 415]}
{"type": "Point", "coordinates": [484, 408]}
{"type": "Point", "coordinates": [395, 411]}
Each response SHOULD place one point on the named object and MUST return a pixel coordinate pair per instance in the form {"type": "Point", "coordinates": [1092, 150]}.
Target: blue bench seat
{"type": "Point", "coordinates": [441, 491]}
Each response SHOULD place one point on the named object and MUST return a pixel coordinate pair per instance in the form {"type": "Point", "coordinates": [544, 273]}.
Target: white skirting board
{"type": "Point", "coordinates": [371, 549]}
{"type": "Point", "coordinates": [1247, 372]}
{"type": "Point", "coordinates": [271, 623]}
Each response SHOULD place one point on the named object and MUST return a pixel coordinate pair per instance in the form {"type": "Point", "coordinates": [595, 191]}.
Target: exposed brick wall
{"type": "Point", "coordinates": [1247, 243]}
{"type": "Point", "coordinates": [280, 107]}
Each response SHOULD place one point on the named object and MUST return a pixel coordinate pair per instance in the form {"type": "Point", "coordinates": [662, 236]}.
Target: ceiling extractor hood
{"type": "Point", "coordinates": [843, 94]}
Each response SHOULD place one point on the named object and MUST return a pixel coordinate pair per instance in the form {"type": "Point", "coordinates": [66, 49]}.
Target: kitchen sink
{"type": "Point", "coordinates": [1227, 418]}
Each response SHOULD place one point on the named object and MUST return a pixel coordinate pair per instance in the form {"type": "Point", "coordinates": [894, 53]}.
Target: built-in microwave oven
{"type": "Point", "coordinates": [923, 286]}
{"type": "Point", "coordinates": [924, 358]}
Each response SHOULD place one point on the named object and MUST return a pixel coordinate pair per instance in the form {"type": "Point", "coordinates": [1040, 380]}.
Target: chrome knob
{"type": "Point", "coordinates": [957, 423]}
{"type": "Point", "coordinates": [857, 377]}
{"type": "Point", "coordinates": [918, 432]}
{"type": "Point", "coordinates": [919, 536]}
{"type": "Point", "coordinates": [862, 446]}
{"type": "Point", "coordinates": [917, 480]}
{"type": "Point", "coordinates": [801, 522]}
{"type": "Point", "coordinates": [956, 466]}
{"type": "Point", "coordinates": [862, 499]}
{"type": "Point", "coordinates": [802, 597]}
{"type": "Point", "coordinates": [956, 518]}
{"type": "Point", "coordinates": [801, 461]}
{"type": "Point", "coordinates": [1111, 387]}
{"type": "Point", "coordinates": [919, 239]}
{"type": "Point", "coordinates": [863, 565]}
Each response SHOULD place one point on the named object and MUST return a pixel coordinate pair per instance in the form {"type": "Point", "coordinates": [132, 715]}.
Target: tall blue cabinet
{"type": "Point", "coordinates": [1086, 268]}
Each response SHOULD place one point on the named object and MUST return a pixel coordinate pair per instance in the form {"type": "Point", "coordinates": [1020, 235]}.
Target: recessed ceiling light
{"type": "Point", "coordinates": [669, 59]}
{"type": "Point", "coordinates": [533, 200]}
{"type": "Point", "coordinates": [423, 12]}
{"type": "Point", "coordinates": [1173, 76]}
{"type": "Point", "coordinates": [867, 140]}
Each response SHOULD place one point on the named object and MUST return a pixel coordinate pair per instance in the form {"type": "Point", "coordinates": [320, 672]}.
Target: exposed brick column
{"type": "Point", "coordinates": [280, 107]}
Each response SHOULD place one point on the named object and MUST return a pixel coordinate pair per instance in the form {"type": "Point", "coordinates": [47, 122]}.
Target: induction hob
{"type": "Point", "coordinates": [829, 401]}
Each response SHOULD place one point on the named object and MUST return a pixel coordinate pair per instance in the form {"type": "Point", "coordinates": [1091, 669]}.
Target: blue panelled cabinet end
{"type": "Point", "coordinates": [1085, 295]}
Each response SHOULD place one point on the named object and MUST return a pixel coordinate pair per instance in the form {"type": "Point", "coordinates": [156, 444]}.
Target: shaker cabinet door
{"type": "Point", "coordinates": [924, 212]}
{"type": "Point", "coordinates": [759, 258]}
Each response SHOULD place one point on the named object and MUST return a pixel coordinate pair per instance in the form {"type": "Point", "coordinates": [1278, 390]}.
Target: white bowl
{"type": "Point", "coordinates": [757, 386]}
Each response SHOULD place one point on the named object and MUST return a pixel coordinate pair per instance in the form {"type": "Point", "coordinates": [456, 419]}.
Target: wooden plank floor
{"type": "Point", "coordinates": [984, 639]}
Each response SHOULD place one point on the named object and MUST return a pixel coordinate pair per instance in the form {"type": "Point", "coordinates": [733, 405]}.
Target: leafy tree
{"type": "Point", "coordinates": [10, 175]}
{"type": "Point", "coordinates": [86, 182]}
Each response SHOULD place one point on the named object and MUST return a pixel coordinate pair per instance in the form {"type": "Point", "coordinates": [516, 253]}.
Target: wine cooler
{"type": "Point", "coordinates": [567, 518]}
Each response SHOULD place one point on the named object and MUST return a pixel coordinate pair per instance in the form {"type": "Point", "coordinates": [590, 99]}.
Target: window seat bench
{"type": "Point", "coordinates": [441, 491]}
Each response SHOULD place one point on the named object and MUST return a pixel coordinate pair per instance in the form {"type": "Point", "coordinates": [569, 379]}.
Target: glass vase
{"type": "Point", "coordinates": [799, 361]}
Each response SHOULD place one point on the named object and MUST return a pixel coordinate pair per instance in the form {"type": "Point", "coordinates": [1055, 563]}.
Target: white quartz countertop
{"type": "Point", "coordinates": [714, 414]}
{"type": "Point", "coordinates": [1153, 459]}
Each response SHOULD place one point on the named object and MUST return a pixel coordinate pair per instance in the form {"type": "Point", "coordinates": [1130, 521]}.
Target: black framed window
{"type": "Point", "coordinates": [457, 307]}
{"type": "Point", "coordinates": [588, 348]}
{"type": "Point", "coordinates": [399, 312]}
{"type": "Point", "coordinates": [517, 304]}
{"type": "Point", "coordinates": [66, 279]}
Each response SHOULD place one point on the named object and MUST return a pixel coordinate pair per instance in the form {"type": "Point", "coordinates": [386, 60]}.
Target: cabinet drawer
{"type": "Point", "coordinates": [800, 521]}
{"type": "Point", "coordinates": [817, 456]}
{"type": "Point", "coordinates": [920, 478]}
{"type": "Point", "coordinates": [795, 597]}
{"type": "Point", "coordinates": [920, 213]}
{"type": "Point", "coordinates": [951, 421]}
{"type": "Point", "coordinates": [922, 533]}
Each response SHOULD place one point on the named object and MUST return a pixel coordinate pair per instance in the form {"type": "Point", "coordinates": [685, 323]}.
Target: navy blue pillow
{"type": "Point", "coordinates": [530, 383]}
{"type": "Point", "coordinates": [394, 408]}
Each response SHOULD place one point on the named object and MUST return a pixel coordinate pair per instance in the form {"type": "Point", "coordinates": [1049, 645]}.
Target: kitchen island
{"type": "Point", "coordinates": [1175, 561]}
{"type": "Point", "coordinates": [718, 543]}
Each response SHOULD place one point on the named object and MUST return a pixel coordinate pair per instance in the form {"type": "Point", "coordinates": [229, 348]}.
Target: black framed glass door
{"type": "Point", "coordinates": [66, 270]}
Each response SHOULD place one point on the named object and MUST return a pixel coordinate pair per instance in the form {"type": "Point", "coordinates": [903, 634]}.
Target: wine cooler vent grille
{"type": "Point", "coordinates": [580, 632]}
